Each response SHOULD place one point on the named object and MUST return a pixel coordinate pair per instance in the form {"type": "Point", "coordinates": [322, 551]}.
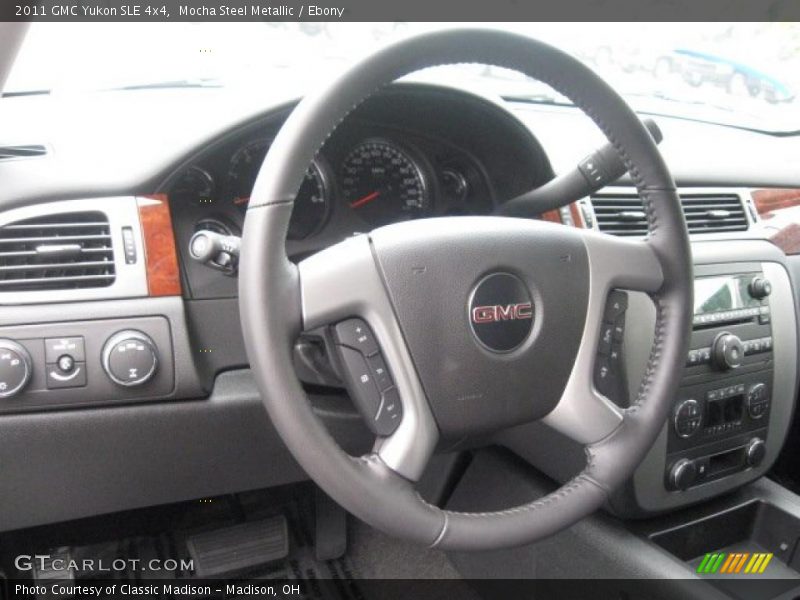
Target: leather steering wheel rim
{"type": "Point", "coordinates": [278, 299]}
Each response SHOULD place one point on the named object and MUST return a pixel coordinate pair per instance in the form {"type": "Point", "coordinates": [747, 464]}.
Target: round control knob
{"type": "Point", "coordinates": [727, 351]}
{"type": "Point", "coordinates": [688, 417]}
{"type": "Point", "coordinates": [757, 400]}
{"type": "Point", "coordinates": [15, 368]}
{"type": "Point", "coordinates": [683, 474]}
{"type": "Point", "coordinates": [755, 452]}
{"type": "Point", "coordinates": [130, 358]}
{"type": "Point", "coordinates": [760, 287]}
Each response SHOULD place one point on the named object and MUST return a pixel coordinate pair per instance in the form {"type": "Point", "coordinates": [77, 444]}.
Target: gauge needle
{"type": "Point", "coordinates": [240, 200]}
{"type": "Point", "coordinates": [365, 199]}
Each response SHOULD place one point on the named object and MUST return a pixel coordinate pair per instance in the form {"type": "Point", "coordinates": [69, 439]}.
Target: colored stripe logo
{"type": "Point", "coordinates": [735, 562]}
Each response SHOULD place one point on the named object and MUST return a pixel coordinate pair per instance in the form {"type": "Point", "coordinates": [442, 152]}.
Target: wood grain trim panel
{"type": "Point", "coordinates": [779, 209]}
{"type": "Point", "coordinates": [769, 201]}
{"type": "Point", "coordinates": [554, 216]}
{"type": "Point", "coordinates": [161, 256]}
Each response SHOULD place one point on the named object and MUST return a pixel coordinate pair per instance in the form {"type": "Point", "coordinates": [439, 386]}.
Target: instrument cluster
{"type": "Point", "coordinates": [362, 180]}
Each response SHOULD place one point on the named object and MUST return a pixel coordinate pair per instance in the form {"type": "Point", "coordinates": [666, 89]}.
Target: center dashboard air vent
{"type": "Point", "coordinates": [21, 151]}
{"type": "Point", "coordinates": [57, 252]}
{"type": "Point", "coordinates": [623, 214]}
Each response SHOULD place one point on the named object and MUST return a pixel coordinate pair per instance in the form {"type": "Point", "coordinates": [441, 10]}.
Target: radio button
{"type": "Point", "coordinates": [760, 287]}
{"type": "Point", "coordinates": [756, 451]}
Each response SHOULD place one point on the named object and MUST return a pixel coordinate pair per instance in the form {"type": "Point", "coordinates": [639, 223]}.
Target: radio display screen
{"type": "Point", "coordinates": [723, 293]}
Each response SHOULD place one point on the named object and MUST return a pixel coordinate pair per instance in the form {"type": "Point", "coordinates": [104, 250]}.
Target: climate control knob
{"type": "Point", "coordinates": [755, 452]}
{"type": "Point", "coordinates": [130, 358]}
{"type": "Point", "coordinates": [683, 474]}
{"type": "Point", "coordinates": [15, 368]}
{"type": "Point", "coordinates": [727, 351]}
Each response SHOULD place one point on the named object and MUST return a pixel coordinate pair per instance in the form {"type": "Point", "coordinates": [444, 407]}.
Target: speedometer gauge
{"type": "Point", "coordinates": [382, 183]}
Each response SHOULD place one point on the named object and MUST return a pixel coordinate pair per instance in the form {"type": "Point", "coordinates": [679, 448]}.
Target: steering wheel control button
{"type": "Point", "coordinates": [380, 372]}
{"type": "Point", "coordinates": [356, 334]}
{"type": "Point", "coordinates": [15, 368]}
{"type": "Point", "coordinates": [389, 413]}
{"type": "Point", "coordinates": [130, 358]}
{"type": "Point", "coordinates": [55, 348]}
{"type": "Point", "coordinates": [361, 384]}
{"type": "Point", "coordinates": [500, 312]}
{"type": "Point", "coordinates": [616, 306]}
{"type": "Point", "coordinates": [688, 418]}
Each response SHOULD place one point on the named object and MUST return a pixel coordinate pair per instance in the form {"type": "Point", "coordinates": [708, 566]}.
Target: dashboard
{"type": "Point", "coordinates": [197, 426]}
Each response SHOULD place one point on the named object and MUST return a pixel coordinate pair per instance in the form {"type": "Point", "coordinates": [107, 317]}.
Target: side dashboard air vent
{"type": "Point", "coordinates": [57, 252]}
{"type": "Point", "coordinates": [31, 151]}
{"type": "Point", "coordinates": [623, 214]}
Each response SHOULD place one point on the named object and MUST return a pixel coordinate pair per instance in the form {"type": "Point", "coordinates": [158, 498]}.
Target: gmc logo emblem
{"type": "Point", "coordinates": [502, 312]}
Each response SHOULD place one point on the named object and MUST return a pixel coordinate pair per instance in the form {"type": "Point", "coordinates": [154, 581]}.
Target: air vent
{"type": "Point", "coordinates": [57, 252]}
{"type": "Point", "coordinates": [623, 214]}
{"type": "Point", "coordinates": [10, 152]}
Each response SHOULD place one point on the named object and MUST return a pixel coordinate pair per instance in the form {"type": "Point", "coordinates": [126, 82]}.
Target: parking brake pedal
{"type": "Point", "coordinates": [232, 549]}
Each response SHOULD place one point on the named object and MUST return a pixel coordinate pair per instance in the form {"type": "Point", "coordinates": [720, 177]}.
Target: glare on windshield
{"type": "Point", "coordinates": [741, 73]}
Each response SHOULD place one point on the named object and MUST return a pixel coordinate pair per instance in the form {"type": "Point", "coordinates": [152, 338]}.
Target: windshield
{"type": "Point", "coordinates": [743, 74]}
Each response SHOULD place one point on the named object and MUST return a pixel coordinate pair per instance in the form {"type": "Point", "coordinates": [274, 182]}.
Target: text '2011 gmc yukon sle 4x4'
{"type": "Point", "coordinates": [475, 314]}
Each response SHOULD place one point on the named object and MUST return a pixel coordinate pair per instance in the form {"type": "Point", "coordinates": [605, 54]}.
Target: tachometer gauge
{"type": "Point", "coordinates": [311, 204]}
{"type": "Point", "coordinates": [243, 171]}
{"type": "Point", "coordinates": [194, 183]}
{"type": "Point", "coordinates": [382, 183]}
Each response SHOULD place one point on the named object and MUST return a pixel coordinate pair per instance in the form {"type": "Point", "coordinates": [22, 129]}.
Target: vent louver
{"type": "Point", "coordinates": [623, 214]}
{"type": "Point", "coordinates": [29, 151]}
{"type": "Point", "coordinates": [57, 252]}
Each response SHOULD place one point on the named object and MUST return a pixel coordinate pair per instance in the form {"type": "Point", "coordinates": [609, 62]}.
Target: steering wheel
{"type": "Point", "coordinates": [484, 323]}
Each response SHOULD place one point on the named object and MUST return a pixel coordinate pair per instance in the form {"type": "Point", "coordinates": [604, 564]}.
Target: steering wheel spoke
{"type": "Point", "coordinates": [584, 412]}
{"type": "Point", "coordinates": [342, 287]}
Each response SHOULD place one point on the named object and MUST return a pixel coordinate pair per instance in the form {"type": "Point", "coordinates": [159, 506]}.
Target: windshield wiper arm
{"type": "Point", "coordinates": [537, 98]}
{"type": "Point", "coordinates": [24, 93]}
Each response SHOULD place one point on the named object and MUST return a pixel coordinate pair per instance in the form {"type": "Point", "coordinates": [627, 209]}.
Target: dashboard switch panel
{"type": "Point", "coordinates": [68, 363]}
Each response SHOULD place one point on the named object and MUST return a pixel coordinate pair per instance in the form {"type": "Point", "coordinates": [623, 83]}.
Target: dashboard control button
{"type": "Point", "coordinates": [755, 452]}
{"type": "Point", "coordinates": [356, 334]}
{"type": "Point", "coordinates": [757, 400]}
{"type": "Point", "coordinates": [58, 378]}
{"type": "Point", "coordinates": [619, 328]}
{"type": "Point", "coordinates": [55, 348]}
{"type": "Point", "coordinates": [727, 351]}
{"type": "Point", "coordinates": [130, 358]}
{"type": "Point", "coordinates": [15, 368]}
{"type": "Point", "coordinates": [688, 418]}
{"type": "Point", "coordinates": [759, 287]}
{"type": "Point", "coordinates": [66, 364]}
{"type": "Point", "coordinates": [683, 474]}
